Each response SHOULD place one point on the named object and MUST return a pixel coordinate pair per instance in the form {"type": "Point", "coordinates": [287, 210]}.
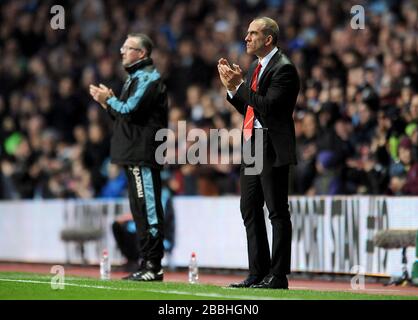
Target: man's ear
{"type": "Point", "coordinates": [142, 54]}
{"type": "Point", "coordinates": [269, 40]}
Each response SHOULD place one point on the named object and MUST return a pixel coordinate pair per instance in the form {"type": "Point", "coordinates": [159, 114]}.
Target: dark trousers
{"type": "Point", "coordinates": [144, 186]}
{"type": "Point", "coordinates": [271, 187]}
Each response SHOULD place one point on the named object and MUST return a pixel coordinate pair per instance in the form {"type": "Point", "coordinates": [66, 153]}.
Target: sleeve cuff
{"type": "Point", "coordinates": [232, 93]}
{"type": "Point", "coordinates": [111, 100]}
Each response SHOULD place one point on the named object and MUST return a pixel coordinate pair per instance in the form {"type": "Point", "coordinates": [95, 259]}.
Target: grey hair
{"type": "Point", "coordinates": [144, 41]}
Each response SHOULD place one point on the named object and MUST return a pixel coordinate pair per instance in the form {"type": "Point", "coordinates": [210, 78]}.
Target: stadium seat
{"type": "Point", "coordinates": [83, 224]}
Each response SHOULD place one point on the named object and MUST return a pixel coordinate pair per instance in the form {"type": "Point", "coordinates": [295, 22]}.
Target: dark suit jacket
{"type": "Point", "coordinates": [273, 104]}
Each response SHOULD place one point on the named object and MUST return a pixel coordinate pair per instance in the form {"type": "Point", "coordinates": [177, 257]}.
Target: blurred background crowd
{"type": "Point", "coordinates": [356, 117]}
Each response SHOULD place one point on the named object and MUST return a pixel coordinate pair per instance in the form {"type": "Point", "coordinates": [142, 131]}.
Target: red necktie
{"type": "Point", "coordinates": [249, 115]}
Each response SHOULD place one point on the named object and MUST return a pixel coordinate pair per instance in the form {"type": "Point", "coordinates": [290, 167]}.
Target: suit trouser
{"type": "Point", "coordinates": [144, 186]}
{"type": "Point", "coordinates": [271, 187]}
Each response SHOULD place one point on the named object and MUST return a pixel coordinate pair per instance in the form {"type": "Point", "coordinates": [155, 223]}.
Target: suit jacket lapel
{"type": "Point", "coordinates": [250, 72]}
{"type": "Point", "coordinates": [249, 77]}
{"type": "Point", "coordinates": [270, 65]}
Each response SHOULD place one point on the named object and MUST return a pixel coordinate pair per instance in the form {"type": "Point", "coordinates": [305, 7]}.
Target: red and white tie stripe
{"type": "Point", "coordinates": [249, 115]}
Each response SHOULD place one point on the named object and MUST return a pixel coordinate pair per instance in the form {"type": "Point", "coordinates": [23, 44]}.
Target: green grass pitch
{"type": "Point", "coordinates": [28, 286]}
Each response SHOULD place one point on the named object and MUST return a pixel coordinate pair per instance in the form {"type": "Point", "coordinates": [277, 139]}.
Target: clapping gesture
{"type": "Point", "coordinates": [100, 94]}
{"type": "Point", "coordinates": [231, 77]}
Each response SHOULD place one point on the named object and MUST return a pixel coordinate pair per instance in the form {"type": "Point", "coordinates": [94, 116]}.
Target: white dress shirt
{"type": "Point", "coordinates": [264, 62]}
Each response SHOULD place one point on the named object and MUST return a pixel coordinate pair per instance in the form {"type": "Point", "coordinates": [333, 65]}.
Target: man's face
{"type": "Point", "coordinates": [255, 38]}
{"type": "Point", "coordinates": [131, 51]}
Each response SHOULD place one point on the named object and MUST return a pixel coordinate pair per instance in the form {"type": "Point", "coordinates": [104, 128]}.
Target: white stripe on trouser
{"type": "Point", "coordinates": [150, 202]}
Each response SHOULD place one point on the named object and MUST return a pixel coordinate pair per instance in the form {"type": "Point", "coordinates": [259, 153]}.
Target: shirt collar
{"type": "Point", "coordinates": [265, 61]}
{"type": "Point", "coordinates": [140, 64]}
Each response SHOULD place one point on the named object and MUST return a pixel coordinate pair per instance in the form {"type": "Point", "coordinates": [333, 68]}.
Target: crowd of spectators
{"type": "Point", "coordinates": [356, 117]}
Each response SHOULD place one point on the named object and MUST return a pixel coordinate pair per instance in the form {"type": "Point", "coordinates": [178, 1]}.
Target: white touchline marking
{"type": "Point", "coordinates": [213, 295]}
{"type": "Point", "coordinates": [66, 284]}
{"type": "Point", "coordinates": [345, 290]}
{"type": "Point", "coordinates": [381, 290]}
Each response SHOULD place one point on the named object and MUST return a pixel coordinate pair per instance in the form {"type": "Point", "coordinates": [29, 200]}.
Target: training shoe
{"type": "Point", "coordinates": [147, 273]}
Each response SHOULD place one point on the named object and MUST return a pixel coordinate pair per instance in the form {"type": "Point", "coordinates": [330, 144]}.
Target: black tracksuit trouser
{"type": "Point", "coordinates": [144, 186]}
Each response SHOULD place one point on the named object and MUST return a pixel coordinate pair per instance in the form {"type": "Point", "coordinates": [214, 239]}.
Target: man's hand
{"type": "Point", "coordinates": [100, 94]}
{"type": "Point", "coordinates": [224, 81]}
{"type": "Point", "coordinates": [221, 74]}
{"type": "Point", "coordinates": [231, 77]}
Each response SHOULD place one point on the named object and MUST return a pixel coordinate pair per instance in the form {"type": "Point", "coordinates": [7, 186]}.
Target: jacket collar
{"type": "Point", "coordinates": [264, 61]}
{"type": "Point", "coordinates": [271, 63]}
{"type": "Point", "coordinates": [138, 65]}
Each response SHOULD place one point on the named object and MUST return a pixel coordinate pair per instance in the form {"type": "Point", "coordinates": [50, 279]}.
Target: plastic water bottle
{"type": "Point", "coordinates": [105, 266]}
{"type": "Point", "coordinates": [193, 269]}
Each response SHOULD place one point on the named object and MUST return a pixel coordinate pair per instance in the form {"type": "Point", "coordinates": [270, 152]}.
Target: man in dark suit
{"type": "Point", "coordinates": [266, 100]}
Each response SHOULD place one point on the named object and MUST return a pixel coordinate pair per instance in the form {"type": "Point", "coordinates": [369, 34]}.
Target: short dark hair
{"type": "Point", "coordinates": [271, 28]}
{"type": "Point", "coordinates": [144, 41]}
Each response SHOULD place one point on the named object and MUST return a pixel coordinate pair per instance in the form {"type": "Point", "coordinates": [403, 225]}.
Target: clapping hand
{"type": "Point", "coordinates": [100, 94]}
{"type": "Point", "coordinates": [231, 77]}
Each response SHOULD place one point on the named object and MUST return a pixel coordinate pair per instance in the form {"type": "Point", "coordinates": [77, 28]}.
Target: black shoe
{"type": "Point", "coordinates": [272, 282]}
{"type": "Point", "coordinates": [251, 280]}
{"type": "Point", "coordinates": [148, 272]}
{"type": "Point", "coordinates": [146, 275]}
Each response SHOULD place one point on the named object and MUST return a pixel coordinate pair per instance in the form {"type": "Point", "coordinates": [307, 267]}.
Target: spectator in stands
{"type": "Point", "coordinates": [306, 147]}
{"type": "Point", "coordinates": [413, 134]}
{"type": "Point", "coordinates": [115, 186]}
{"type": "Point", "coordinates": [328, 178]}
{"type": "Point", "coordinates": [405, 161]}
{"type": "Point", "coordinates": [96, 150]}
